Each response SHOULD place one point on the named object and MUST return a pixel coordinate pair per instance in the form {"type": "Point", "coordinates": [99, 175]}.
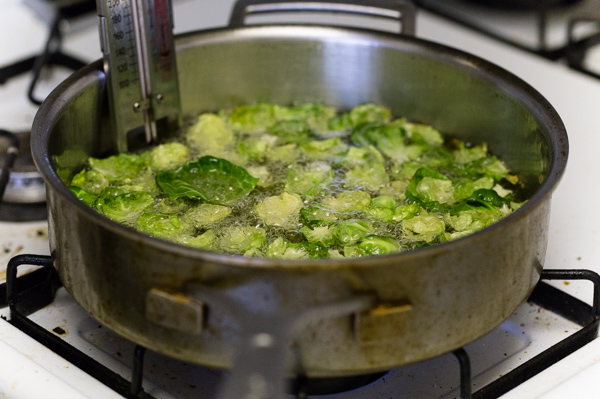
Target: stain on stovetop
{"type": "Point", "coordinates": [60, 331]}
{"type": "Point", "coordinates": [19, 238]}
{"type": "Point", "coordinates": [40, 233]}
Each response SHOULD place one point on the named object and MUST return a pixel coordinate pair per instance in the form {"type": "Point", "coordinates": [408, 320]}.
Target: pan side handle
{"type": "Point", "coordinates": [401, 10]}
{"type": "Point", "coordinates": [260, 367]}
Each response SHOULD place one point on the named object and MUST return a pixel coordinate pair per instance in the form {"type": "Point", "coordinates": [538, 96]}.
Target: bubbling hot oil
{"type": "Point", "coordinates": [244, 214]}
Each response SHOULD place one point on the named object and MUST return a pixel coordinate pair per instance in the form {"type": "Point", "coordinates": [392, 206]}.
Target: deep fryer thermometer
{"type": "Point", "coordinates": [136, 38]}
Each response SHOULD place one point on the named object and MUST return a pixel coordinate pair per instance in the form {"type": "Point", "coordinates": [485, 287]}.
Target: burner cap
{"type": "Point", "coordinates": [26, 185]}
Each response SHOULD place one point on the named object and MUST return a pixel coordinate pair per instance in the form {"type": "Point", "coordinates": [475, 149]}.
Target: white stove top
{"type": "Point", "coordinates": [573, 237]}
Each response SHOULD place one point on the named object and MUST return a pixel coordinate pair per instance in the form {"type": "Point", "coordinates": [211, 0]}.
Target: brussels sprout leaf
{"type": "Point", "coordinates": [427, 198]}
{"type": "Point", "coordinates": [214, 180]}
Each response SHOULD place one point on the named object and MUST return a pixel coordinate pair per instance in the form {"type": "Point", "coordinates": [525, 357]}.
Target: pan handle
{"type": "Point", "coordinates": [397, 10]}
{"type": "Point", "coordinates": [260, 366]}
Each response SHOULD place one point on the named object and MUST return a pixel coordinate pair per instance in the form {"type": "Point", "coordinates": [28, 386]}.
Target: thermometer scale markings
{"type": "Point", "coordinates": [139, 61]}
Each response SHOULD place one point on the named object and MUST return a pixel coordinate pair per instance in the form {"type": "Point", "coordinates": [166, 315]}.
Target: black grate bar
{"type": "Point", "coordinates": [572, 51]}
{"type": "Point", "coordinates": [76, 357]}
{"type": "Point", "coordinates": [551, 298]}
{"type": "Point", "coordinates": [11, 274]}
{"type": "Point", "coordinates": [300, 387]}
{"type": "Point", "coordinates": [565, 274]}
{"type": "Point", "coordinates": [57, 344]}
{"type": "Point", "coordinates": [465, 22]}
{"type": "Point", "coordinates": [561, 303]}
{"type": "Point", "coordinates": [465, 373]}
{"type": "Point", "coordinates": [20, 67]}
{"type": "Point", "coordinates": [32, 291]}
{"type": "Point", "coordinates": [539, 363]}
{"type": "Point", "coordinates": [137, 374]}
{"type": "Point", "coordinates": [33, 279]}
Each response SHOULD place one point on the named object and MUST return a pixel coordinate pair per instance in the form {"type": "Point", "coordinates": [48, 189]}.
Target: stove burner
{"type": "Point", "coordinates": [22, 189]}
{"type": "Point", "coordinates": [25, 185]}
{"type": "Point", "coordinates": [328, 386]}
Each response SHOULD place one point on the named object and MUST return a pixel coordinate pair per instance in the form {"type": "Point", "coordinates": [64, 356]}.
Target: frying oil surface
{"type": "Point", "coordinates": [303, 182]}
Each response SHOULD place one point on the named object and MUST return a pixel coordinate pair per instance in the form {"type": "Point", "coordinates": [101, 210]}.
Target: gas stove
{"type": "Point", "coordinates": [31, 370]}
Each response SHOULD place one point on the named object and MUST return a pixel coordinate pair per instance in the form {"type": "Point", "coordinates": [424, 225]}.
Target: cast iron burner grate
{"type": "Point", "coordinates": [52, 53]}
{"type": "Point", "coordinates": [574, 52]}
{"type": "Point", "coordinates": [31, 292]}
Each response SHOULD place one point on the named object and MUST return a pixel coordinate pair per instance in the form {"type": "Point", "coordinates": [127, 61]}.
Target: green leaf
{"type": "Point", "coordinates": [162, 225]}
{"type": "Point", "coordinates": [255, 148]}
{"type": "Point", "coordinates": [353, 251]}
{"type": "Point", "coordinates": [210, 134]}
{"type": "Point", "coordinates": [349, 232]}
{"type": "Point", "coordinates": [463, 154]}
{"type": "Point", "coordinates": [370, 176]}
{"type": "Point", "coordinates": [205, 215]}
{"type": "Point", "coordinates": [324, 149]}
{"type": "Point", "coordinates": [122, 205]}
{"type": "Point", "coordinates": [428, 133]}
{"type": "Point", "coordinates": [349, 201]}
{"type": "Point", "coordinates": [322, 234]}
{"type": "Point", "coordinates": [203, 241]}
{"type": "Point", "coordinates": [481, 198]}
{"type": "Point", "coordinates": [283, 249]}
{"type": "Point", "coordinates": [211, 179]}
{"type": "Point", "coordinates": [93, 181]}
{"type": "Point", "coordinates": [416, 193]}
{"type": "Point", "coordinates": [339, 123]}
{"type": "Point", "coordinates": [318, 215]}
{"type": "Point", "coordinates": [286, 153]}
{"type": "Point", "coordinates": [395, 189]}
{"type": "Point", "coordinates": [466, 188]}
{"type": "Point", "coordinates": [439, 190]}
{"type": "Point", "coordinates": [240, 239]}
{"type": "Point", "coordinates": [389, 139]}
{"type": "Point", "coordinates": [382, 208]}
{"type": "Point", "coordinates": [404, 212]}
{"type": "Point", "coordinates": [168, 156]}
{"type": "Point", "coordinates": [315, 249]}
{"type": "Point", "coordinates": [88, 198]}
{"type": "Point", "coordinates": [280, 210]}
{"type": "Point", "coordinates": [423, 228]}
{"type": "Point", "coordinates": [293, 131]}
{"type": "Point", "coordinates": [253, 118]}
{"type": "Point", "coordinates": [315, 115]}
{"type": "Point", "coordinates": [309, 180]}
{"type": "Point", "coordinates": [369, 113]}
{"type": "Point", "coordinates": [489, 166]}
{"type": "Point", "coordinates": [120, 168]}
{"type": "Point", "coordinates": [378, 245]}
{"type": "Point", "coordinates": [437, 157]}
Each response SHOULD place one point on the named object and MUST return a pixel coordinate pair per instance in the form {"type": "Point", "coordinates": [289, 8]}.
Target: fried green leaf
{"type": "Point", "coordinates": [211, 179]}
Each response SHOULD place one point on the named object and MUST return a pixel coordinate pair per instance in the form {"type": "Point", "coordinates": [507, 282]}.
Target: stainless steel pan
{"type": "Point", "coordinates": [326, 317]}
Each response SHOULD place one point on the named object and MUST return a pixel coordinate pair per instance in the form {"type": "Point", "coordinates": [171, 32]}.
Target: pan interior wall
{"type": "Point", "coordinates": [226, 69]}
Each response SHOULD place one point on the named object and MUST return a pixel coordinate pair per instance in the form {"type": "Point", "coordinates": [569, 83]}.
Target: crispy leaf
{"type": "Point", "coordinates": [211, 179]}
